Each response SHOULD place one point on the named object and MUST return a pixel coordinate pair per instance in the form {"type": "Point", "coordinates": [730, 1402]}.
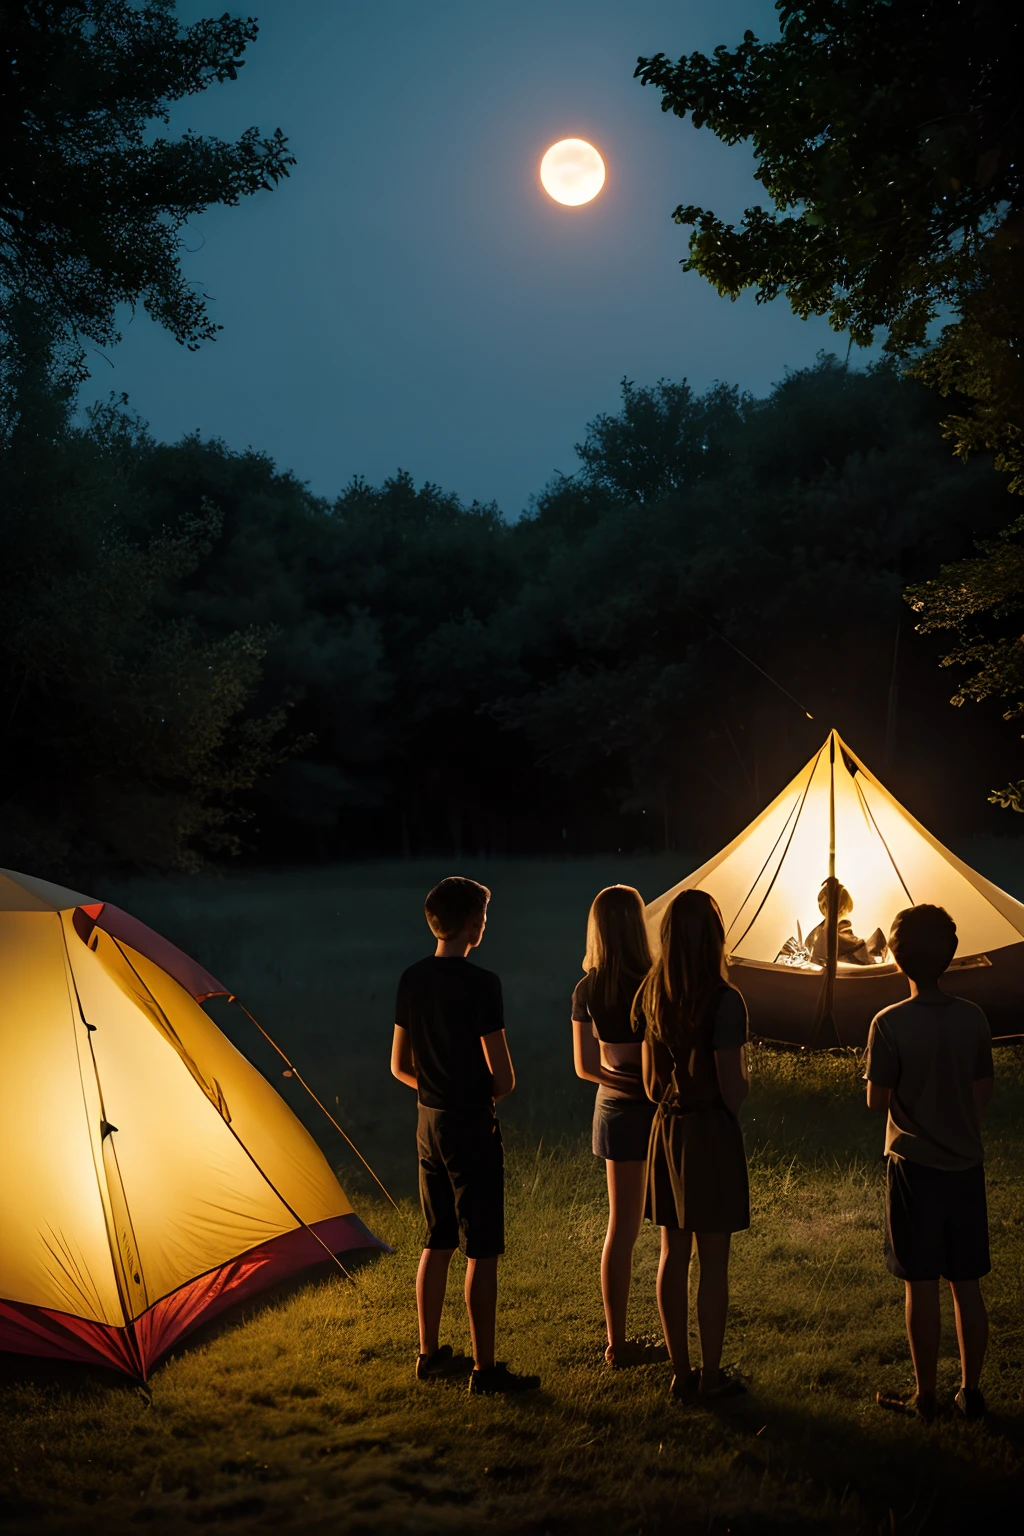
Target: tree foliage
{"type": "Point", "coordinates": [200, 655]}
{"type": "Point", "coordinates": [92, 203]}
{"type": "Point", "coordinates": [889, 139]}
{"type": "Point", "coordinates": [126, 734]}
{"type": "Point", "coordinates": [891, 143]}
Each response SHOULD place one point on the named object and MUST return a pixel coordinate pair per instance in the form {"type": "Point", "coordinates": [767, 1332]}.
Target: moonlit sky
{"type": "Point", "coordinates": [410, 297]}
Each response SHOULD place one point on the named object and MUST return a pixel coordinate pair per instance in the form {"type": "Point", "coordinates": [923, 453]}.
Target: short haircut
{"type": "Point", "coordinates": [923, 941]}
{"type": "Point", "coordinates": [844, 901]}
{"type": "Point", "coordinates": [453, 903]}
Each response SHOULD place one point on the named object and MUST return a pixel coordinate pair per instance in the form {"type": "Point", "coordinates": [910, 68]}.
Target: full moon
{"type": "Point", "coordinates": [572, 172]}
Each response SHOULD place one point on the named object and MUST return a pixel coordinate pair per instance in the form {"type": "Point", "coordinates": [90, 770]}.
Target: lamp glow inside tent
{"type": "Point", "coordinates": [152, 1176]}
{"type": "Point", "coordinates": [767, 882]}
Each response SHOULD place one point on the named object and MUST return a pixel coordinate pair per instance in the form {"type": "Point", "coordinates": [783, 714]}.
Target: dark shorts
{"type": "Point", "coordinates": [462, 1181]}
{"type": "Point", "coordinates": [936, 1222]}
{"type": "Point", "coordinates": [622, 1127]}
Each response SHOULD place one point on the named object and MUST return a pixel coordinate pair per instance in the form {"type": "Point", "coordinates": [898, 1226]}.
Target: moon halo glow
{"type": "Point", "coordinates": [572, 172]}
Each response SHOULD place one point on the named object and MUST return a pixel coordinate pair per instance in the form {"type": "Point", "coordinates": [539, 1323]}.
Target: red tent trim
{"type": "Point", "coordinates": [27, 1330]}
{"type": "Point", "coordinates": [195, 978]}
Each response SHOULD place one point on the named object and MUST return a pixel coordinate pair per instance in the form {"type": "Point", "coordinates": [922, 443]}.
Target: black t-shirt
{"type": "Point", "coordinates": [610, 1020]}
{"type": "Point", "coordinates": [447, 1004]}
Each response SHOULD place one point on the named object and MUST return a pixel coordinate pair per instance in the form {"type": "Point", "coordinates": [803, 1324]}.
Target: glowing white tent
{"type": "Point", "coordinates": [767, 882]}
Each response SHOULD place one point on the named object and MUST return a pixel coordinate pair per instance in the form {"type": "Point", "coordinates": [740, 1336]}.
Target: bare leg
{"type": "Point", "coordinates": [673, 1295]}
{"type": "Point", "coordinates": [431, 1284]}
{"type": "Point", "coordinates": [922, 1309]}
{"type": "Point", "coordinates": [712, 1302]}
{"type": "Point", "coordinates": [971, 1328]}
{"type": "Point", "coordinates": [627, 1186]}
{"type": "Point", "coordinates": [482, 1304]}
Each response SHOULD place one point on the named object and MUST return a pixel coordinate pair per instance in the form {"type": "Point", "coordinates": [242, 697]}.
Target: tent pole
{"type": "Point", "coordinates": [826, 1007]}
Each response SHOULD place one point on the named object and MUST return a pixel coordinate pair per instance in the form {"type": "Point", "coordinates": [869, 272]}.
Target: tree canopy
{"type": "Point", "coordinates": [199, 655]}
{"type": "Point", "coordinates": [889, 139]}
{"type": "Point", "coordinates": [92, 202]}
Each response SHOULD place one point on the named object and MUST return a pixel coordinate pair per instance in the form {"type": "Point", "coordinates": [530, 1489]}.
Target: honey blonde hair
{"type": "Point", "coordinates": [617, 947]}
{"type": "Point", "coordinates": [687, 973]}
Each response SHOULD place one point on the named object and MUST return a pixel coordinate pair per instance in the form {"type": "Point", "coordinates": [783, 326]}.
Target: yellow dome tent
{"type": "Point", "coordinates": [152, 1176]}
{"type": "Point", "coordinates": [836, 823]}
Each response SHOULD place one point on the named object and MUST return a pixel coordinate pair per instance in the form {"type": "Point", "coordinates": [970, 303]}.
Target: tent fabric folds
{"type": "Point", "coordinates": [766, 882]}
{"type": "Point", "coordinates": [154, 1177]}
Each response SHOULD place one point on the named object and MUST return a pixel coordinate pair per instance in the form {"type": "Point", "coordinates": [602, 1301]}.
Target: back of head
{"type": "Point", "coordinates": [689, 970]}
{"type": "Point", "coordinates": [844, 901]}
{"type": "Point", "coordinates": [453, 904]}
{"type": "Point", "coordinates": [923, 942]}
{"type": "Point", "coordinates": [617, 947]}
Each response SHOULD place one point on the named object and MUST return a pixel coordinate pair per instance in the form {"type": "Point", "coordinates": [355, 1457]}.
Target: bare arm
{"type": "Point", "coordinates": [499, 1063]}
{"type": "Point", "coordinates": [982, 1095]}
{"type": "Point", "coordinates": [733, 1082]}
{"type": "Point", "coordinates": [878, 1097]}
{"type": "Point", "coordinates": [403, 1065]}
{"type": "Point", "coordinates": [586, 1055]}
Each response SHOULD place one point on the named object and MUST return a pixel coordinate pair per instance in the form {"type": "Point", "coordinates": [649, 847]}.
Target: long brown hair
{"type": "Point", "coordinates": [617, 947]}
{"type": "Point", "coordinates": [687, 973]}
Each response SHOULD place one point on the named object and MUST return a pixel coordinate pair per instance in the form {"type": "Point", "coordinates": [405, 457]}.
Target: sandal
{"type": "Point", "coordinates": [636, 1352]}
{"type": "Point", "coordinates": [924, 1404]}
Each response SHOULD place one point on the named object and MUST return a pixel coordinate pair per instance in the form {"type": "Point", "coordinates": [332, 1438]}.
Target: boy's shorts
{"type": "Point", "coordinates": [462, 1181]}
{"type": "Point", "coordinates": [936, 1222]}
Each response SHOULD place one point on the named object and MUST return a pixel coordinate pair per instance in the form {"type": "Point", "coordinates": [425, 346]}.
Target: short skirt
{"type": "Point", "coordinates": [622, 1127]}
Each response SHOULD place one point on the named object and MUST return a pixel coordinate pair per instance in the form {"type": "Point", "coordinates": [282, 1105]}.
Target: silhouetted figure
{"type": "Point", "coordinates": [850, 948]}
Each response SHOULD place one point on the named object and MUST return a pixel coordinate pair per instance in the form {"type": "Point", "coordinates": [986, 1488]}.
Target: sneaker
{"type": "Point", "coordinates": [970, 1402]}
{"type": "Point", "coordinates": [498, 1378]}
{"type": "Point", "coordinates": [437, 1364]}
{"type": "Point", "coordinates": [924, 1404]}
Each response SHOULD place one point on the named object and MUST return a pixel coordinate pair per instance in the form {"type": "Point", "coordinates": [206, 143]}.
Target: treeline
{"type": "Point", "coordinates": [199, 657]}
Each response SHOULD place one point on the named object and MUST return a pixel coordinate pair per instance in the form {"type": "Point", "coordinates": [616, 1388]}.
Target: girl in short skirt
{"type": "Point", "coordinates": [695, 1071]}
{"type": "Point", "coordinates": [607, 1051]}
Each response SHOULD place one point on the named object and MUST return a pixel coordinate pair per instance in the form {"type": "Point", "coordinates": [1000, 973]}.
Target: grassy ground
{"type": "Point", "coordinates": [302, 1412]}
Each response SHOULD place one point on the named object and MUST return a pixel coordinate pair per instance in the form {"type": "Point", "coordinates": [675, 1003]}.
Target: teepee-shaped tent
{"type": "Point", "coordinates": [152, 1176]}
{"type": "Point", "coordinates": [836, 819]}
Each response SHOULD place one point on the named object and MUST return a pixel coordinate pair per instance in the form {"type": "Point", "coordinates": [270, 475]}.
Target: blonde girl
{"type": "Point", "coordinates": [607, 1051]}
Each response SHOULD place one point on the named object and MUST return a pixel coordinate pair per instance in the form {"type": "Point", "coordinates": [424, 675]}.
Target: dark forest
{"type": "Point", "coordinates": [203, 660]}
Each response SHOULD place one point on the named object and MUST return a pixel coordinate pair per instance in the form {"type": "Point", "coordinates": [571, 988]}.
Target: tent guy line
{"type": "Point", "coordinates": [749, 660]}
{"type": "Point", "coordinates": [294, 1072]}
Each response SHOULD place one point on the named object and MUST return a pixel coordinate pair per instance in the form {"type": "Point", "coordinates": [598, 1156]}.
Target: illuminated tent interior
{"type": "Point", "coordinates": [152, 1176]}
{"type": "Point", "coordinates": [767, 880]}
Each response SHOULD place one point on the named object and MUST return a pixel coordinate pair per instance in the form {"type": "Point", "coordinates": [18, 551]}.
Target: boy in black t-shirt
{"type": "Point", "coordinates": [450, 1045]}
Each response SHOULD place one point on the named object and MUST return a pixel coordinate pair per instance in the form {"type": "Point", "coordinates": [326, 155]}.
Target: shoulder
{"type": "Point", "coordinates": [890, 1019]}
{"type": "Point", "coordinates": [729, 1030]}
{"type": "Point", "coordinates": [731, 1003]}
{"type": "Point", "coordinates": [970, 1014]}
{"type": "Point", "coordinates": [581, 993]}
{"type": "Point", "coordinates": [487, 981]}
{"type": "Point", "coordinates": [412, 973]}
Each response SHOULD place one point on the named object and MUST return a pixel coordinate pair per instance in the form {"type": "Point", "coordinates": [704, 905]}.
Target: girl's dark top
{"type": "Point", "coordinates": [448, 1005]}
{"type": "Point", "coordinates": [610, 1020]}
{"type": "Point", "coordinates": [691, 1082]}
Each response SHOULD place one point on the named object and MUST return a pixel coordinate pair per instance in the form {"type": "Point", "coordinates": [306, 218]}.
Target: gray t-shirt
{"type": "Point", "coordinates": [930, 1055]}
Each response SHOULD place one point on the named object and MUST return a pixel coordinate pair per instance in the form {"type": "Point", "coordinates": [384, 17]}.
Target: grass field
{"type": "Point", "coordinates": [302, 1413]}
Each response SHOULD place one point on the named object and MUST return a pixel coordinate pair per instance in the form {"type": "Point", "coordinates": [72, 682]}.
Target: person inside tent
{"type": "Point", "coordinates": [852, 950]}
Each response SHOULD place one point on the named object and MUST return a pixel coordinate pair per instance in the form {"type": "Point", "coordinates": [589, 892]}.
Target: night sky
{"type": "Point", "coordinates": [411, 297]}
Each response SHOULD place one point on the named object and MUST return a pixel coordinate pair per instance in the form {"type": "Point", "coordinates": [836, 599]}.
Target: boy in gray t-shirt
{"type": "Point", "coordinates": [929, 1065]}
